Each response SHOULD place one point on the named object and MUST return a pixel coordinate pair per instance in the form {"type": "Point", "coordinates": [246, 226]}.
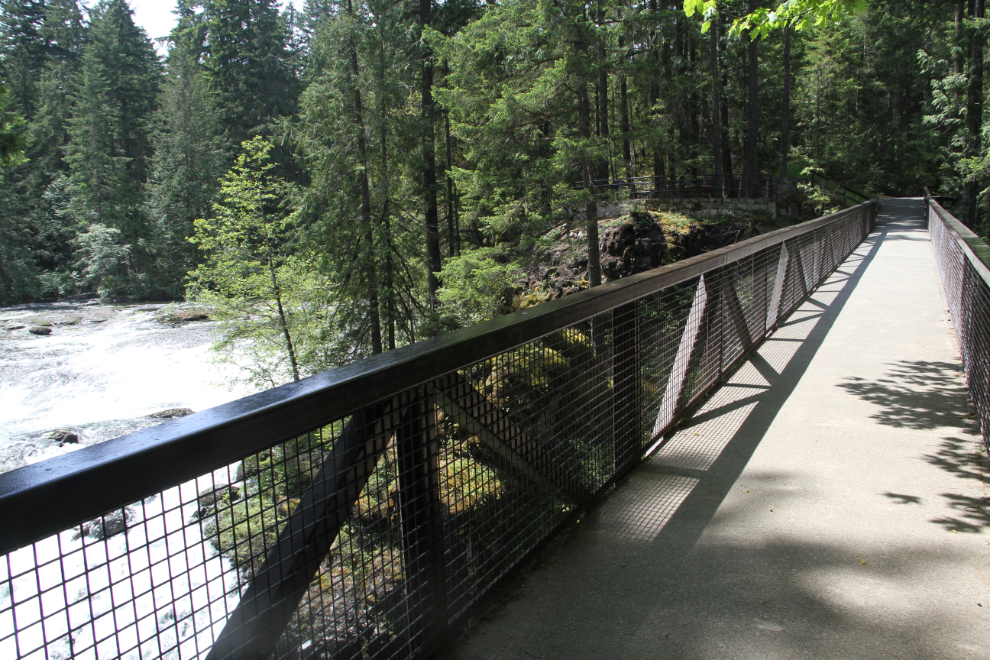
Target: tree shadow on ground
{"type": "Point", "coordinates": [927, 395]}
{"type": "Point", "coordinates": [918, 394]}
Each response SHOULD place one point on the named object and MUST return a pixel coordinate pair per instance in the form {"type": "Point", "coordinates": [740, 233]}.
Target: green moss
{"type": "Point", "coordinates": [466, 486]}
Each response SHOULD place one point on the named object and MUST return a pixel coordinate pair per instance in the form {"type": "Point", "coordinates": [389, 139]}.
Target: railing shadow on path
{"type": "Point", "coordinates": [641, 586]}
{"type": "Point", "coordinates": [700, 506]}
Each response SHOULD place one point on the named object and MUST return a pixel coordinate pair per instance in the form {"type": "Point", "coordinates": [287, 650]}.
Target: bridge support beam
{"type": "Point", "coordinates": [682, 360]}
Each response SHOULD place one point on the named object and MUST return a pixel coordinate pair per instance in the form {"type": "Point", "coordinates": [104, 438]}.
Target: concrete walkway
{"type": "Point", "coordinates": [829, 502]}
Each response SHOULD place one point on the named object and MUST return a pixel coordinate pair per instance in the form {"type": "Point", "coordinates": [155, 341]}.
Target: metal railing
{"type": "Point", "coordinates": [964, 267]}
{"type": "Point", "coordinates": [368, 511]}
{"type": "Point", "coordinates": [709, 186]}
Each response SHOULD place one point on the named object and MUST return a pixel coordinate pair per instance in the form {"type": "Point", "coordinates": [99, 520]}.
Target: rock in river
{"type": "Point", "coordinates": [40, 330]}
{"type": "Point", "coordinates": [171, 413]}
{"type": "Point", "coordinates": [109, 525]}
{"type": "Point", "coordinates": [64, 437]}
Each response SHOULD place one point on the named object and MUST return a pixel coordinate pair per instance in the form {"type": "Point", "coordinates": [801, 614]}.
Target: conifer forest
{"type": "Point", "coordinates": [340, 180]}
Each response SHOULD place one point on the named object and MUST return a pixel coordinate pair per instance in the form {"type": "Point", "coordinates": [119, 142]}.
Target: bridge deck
{"type": "Point", "coordinates": [828, 502]}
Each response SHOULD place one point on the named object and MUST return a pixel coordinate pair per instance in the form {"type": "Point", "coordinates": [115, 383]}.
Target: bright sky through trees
{"type": "Point", "coordinates": [157, 19]}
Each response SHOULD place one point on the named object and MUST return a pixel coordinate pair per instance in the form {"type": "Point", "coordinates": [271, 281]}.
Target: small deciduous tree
{"type": "Point", "coordinates": [269, 299]}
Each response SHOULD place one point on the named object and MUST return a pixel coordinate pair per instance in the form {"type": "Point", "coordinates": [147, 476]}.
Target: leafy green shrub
{"type": "Point", "coordinates": [477, 286]}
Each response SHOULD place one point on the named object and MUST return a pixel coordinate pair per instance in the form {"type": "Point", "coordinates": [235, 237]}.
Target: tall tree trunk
{"type": "Point", "coordinates": [958, 57]}
{"type": "Point", "coordinates": [429, 161]}
{"type": "Point", "coordinates": [659, 170]}
{"type": "Point", "coordinates": [785, 119]}
{"type": "Point", "coordinates": [974, 114]}
{"type": "Point", "coordinates": [730, 184]}
{"type": "Point", "coordinates": [603, 165]}
{"type": "Point", "coordinates": [374, 317]}
{"type": "Point", "coordinates": [624, 119]}
{"type": "Point", "coordinates": [696, 105]}
{"type": "Point", "coordinates": [386, 233]}
{"type": "Point", "coordinates": [452, 238]}
{"type": "Point", "coordinates": [282, 319]}
{"type": "Point", "coordinates": [716, 109]}
{"type": "Point", "coordinates": [591, 206]}
{"type": "Point", "coordinates": [750, 164]}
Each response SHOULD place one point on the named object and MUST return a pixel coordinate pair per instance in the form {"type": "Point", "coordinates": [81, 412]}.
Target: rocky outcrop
{"type": "Point", "coordinates": [212, 498]}
{"type": "Point", "coordinates": [632, 247]}
{"type": "Point", "coordinates": [634, 243]}
{"type": "Point", "coordinates": [178, 316]}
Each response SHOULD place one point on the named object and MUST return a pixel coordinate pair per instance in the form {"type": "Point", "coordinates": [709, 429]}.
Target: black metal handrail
{"type": "Point", "coordinates": [127, 468]}
{"type": "Point", "coordinates": [312, 450]}
{"type": "Point", "coordinates": [963, 260]}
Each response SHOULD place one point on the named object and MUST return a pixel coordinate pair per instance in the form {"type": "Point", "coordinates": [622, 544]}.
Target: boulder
{"type": "Point", "coordinates": [209, 499]}
{"type": "Point", "coordinates": [109, 525]}
{"type": "Point", "coordinates": [40, 330]}
{"type": "Point", "coordinates": [171, 413]}
{"type": "Point", "coordinates": [64, 437]}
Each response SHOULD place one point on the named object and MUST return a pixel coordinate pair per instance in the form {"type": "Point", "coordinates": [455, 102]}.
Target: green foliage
{"type": "Point", "coordinates": [799, 14]}
{"type": "Point", "coordinates": [359, 139]}
{"type": "Point", "coordinates": [11, 138]}
{"type": "Point", "coordinates": [270, 300]}
{"type": "Point", "coordinates": [513, 97]}
{"type": "Point", "coordinates": [109, 146]}
{"type": "Point", "coordinates": [102, 259]}
{"type": "Point", "coordinates": [477, 286]}
{"type": "Point", "coordinates": [247, 63]}
{"type": "Point", "coordinates": [188, 162]}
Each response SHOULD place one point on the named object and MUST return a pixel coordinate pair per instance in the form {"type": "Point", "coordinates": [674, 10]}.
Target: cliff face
{"type": "Point", "coordinates": [633, 243]}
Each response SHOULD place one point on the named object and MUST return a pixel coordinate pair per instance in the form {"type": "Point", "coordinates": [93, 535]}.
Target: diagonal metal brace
{"type": "Point", "coordinates": [736, 314]}
{"type": "Point", "coordinates": [773, 309]}
{"type": "Point", "coordinates": [474, 412]}
{"type": "Point", "coordinates": [278, 586]}
{"type": "Point", "coordinates": [682, 360]}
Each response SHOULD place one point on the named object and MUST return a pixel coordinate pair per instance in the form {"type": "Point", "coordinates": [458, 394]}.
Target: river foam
{"type": "Point", "coordinates": [158, 588]}
{"type": "Point", "coordinates": [99, 373]}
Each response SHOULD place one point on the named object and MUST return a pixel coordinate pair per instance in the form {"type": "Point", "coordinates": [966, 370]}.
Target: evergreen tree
{"type": "Point", "coordinates": [11, 138]}
{"type": "Point", "coordinates": [269, 299]}
{"type": "Point", "coordinates": [41, 44]}
{"type": "Point", "coordinates": [353, 125]}
{"type": "Point", "coordinates": [249, 64]}
{"type": "Point", "coordinates": [520, 98]}
{"type": "Point", "coordinates": [113, 102]}
{"type": "Point", "coordinates": [187, 165]}
{"type": "Point", "coordinates": [15, 272]}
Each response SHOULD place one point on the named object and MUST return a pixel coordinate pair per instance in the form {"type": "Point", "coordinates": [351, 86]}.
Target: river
{"type": "Point", "coordinates": [99, 373]}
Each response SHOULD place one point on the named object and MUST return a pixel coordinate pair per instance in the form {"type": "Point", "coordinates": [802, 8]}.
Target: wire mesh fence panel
{"type": "Point", "coordinates": [412, 498]}
{"type": "Point", "coordinates": [976, 302]}
{"type": "Point", "coordinates": [961, 258]}
{"type": "Point", "coordinates": [144, 580]}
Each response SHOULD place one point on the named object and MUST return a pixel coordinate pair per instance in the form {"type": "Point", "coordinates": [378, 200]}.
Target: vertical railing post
{"type": "Point", "coordinates": [421, 518]}
{"type": "Point", "coordinates": [627, 406]}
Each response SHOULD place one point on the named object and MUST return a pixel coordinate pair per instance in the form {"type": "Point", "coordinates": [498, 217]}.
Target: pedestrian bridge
{"type": "Point", "coordinates": [772, 450]}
